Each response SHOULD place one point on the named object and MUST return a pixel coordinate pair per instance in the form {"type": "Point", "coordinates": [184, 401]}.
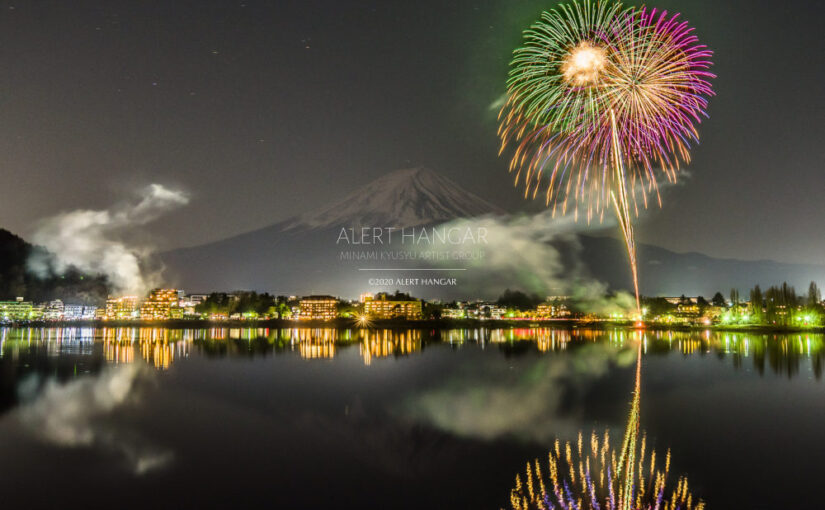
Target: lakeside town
{"type": "Point", "coordinates": [776, 306]}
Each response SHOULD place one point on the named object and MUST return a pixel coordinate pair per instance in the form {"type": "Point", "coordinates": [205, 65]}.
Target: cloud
{"type": "Point", "coordinates": [74, 414]}
{"type": "Point", "coordinates": [93, 241]}
{"type": "Point", "coordinates": [493, 401]}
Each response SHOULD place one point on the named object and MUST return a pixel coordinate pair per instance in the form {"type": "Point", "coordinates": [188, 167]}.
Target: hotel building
{"type": "Point", "coordinates": [383, 308]}
{"type": "Point", "coordinates": [322, 308]}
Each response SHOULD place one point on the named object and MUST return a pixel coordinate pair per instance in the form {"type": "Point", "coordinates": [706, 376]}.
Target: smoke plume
{"type": "Point", "coordinates": [525, 252]}
{"type": "Point", "coordinates": [95, 241]}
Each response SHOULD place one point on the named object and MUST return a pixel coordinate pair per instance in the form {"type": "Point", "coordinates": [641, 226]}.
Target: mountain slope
{"type": "Point", "coordinates": [302, 255]}
{"type": "Point", "coordinates": [299, 255]}
{"type": "Point", "coordinates": [404, 198]}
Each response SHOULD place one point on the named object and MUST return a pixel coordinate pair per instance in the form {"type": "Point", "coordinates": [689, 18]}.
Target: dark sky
{"type": "Point", "coordinates": [264, 109]}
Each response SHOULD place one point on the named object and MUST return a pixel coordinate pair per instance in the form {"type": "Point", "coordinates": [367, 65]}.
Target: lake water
{"type": "Point", "coordinates": [322, 418]}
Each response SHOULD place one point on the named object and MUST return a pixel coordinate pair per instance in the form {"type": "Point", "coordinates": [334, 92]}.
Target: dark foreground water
{"type": "Point", "coordinates": [248, 418]}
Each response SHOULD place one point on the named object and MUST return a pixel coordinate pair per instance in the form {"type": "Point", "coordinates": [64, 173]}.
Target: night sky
{"type": "Point", "coordinates": [261, 110]}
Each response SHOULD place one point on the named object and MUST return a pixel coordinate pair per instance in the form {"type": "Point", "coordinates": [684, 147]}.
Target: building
{"type": "Point", "coordinates": [194, 299]}
{"type": "Point", "coordinates": [162, 304]}
{"type": "Point", "coordinates": [79, 313]}
{"type": "Point", "coordinates": [681, 300]}
{"type": "Point", "coordinates": [495, 312]}
{"type": "Point", "coordinates": [37, 312]}
{"type": "Point", "coordinates": [383, 308]}
{"type": "Point", "coordinates": [17, 310]}
{"type": "Point", "coordinates": [53, 311]}
{"type": "Point", "coordinates": [318, 308]}
{"type": "Point", "coordinates": [452, 313]}
{"type": "Point", "coordinates": [121, 308]}
{"type": "Point", "coordinates": [553, 310]}
{"type": "Point", "coordinates": [688, 310]}
{"type": "Point", "coordinates": [189, 304]}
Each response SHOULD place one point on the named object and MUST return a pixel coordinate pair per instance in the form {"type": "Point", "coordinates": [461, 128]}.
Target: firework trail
{"type": "Point", "coordinates": [601, 99]}
{"type": "Point", "coordinates": [602, 478]}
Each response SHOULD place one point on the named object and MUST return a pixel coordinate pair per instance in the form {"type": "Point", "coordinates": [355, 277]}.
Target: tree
{"type": "Point", "coordinates": [780, 304]}
{"type": "Point", "coordinates": [814, 296]}
{"type": "Point", "coordinates": [757, 304]}
{"type": "Point", "coordinates": [718, 300]}
{"type": "Point", "coordinates": [519, 300]}
{"type": "Point", "coordinates": [734, 297]}
{"type": "Point", "coordinates": [702, 303]}
{"type": "Point", "coordinates": [657, 307]}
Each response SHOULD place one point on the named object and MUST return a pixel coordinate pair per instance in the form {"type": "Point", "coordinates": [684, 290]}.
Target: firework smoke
{"type": "Point", "coordinates": [533, 254]}
{"type": "Point", "coordinates": [93, 241]}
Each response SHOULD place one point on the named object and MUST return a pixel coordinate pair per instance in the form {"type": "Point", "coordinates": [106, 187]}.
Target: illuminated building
{"type": "Point", "coordinates": [687, 310]}
{"type": "Point", "coordinates": [383, 308]}
{"type": "Point", "coordinates": [189, 303]}
{"type": "Point", "coordinates": [682, 299]}
{"type": "Point", "coordinates": [482, 311]}
{"type": "Point", "coordinates": [321, 308]}
{"type": "Point", "coordinates": [552, 310]}
{"type": "Point", "coordinates": [17, 310]}
{"type": "Point", "coordinates": [54, 310]}
{"type": "Point", "coordinates": [452, 313]}
{"type": "Point", "coordinates": [78, 312]}
{"type": "Point", "coordinates": [121, 308]}
{"type": "Point", "coordinates": [162, 304]}
{"type": "Point", "coordinates": [37, 312]}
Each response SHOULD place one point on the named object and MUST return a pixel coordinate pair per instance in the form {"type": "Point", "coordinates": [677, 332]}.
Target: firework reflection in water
{"type": "Point", "coordinates": [597, 476]}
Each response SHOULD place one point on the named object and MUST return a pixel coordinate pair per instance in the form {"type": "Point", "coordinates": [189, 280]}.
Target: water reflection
{"type": "Point", "coordinates": [783, 354]}
{"type": "Point", "coordinates": [401, 405]}
{"type": "Point", "coordinates": [604, 476]}
{"type": "Point", "coordinates": [77, 414]}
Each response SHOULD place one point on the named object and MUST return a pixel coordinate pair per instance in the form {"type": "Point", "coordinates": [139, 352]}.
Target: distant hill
{"type": "Point", "coordinates": [300, 255]}
{"type": "Point", "coordinates": [17, 280]}
{"type": "Point", "coordinates": [665, 272]}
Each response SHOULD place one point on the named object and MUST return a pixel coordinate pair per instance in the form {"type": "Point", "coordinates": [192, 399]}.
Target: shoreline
{"type": "Point", "coordinates": [440, 324]}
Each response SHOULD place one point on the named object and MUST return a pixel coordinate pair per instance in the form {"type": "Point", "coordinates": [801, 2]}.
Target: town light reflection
{"type": "Point", "coordinates": [785, 354]}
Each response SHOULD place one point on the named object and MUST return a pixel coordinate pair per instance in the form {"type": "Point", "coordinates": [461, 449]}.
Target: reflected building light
{"type": "Point", "coordinates": [389, 343]}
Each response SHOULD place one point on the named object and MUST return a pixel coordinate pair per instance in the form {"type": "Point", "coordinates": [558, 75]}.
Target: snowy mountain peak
{"type": "Point", "coordinates": [403, 198]}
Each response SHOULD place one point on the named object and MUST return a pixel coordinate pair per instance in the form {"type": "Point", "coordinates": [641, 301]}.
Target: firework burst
{"type": "Point", "coordinates": [602, 102]}
{"type": "Point", "coordinates": [588, 71]}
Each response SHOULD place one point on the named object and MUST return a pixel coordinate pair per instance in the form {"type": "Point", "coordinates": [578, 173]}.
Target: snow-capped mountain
{"type": "Point", "coordinates": [403, 198]}
{"type": "Point", "coordinates": [302, 255]}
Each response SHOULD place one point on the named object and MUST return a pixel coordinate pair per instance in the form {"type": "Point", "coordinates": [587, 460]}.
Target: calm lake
{"type": "Point", "coordinates": [324, 418]}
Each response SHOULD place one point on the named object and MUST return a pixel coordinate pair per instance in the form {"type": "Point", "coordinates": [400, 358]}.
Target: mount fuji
{"type": "Point", "coordinates": [301, 255]}
{"type": "Point", "coordinates": [404, 198]}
